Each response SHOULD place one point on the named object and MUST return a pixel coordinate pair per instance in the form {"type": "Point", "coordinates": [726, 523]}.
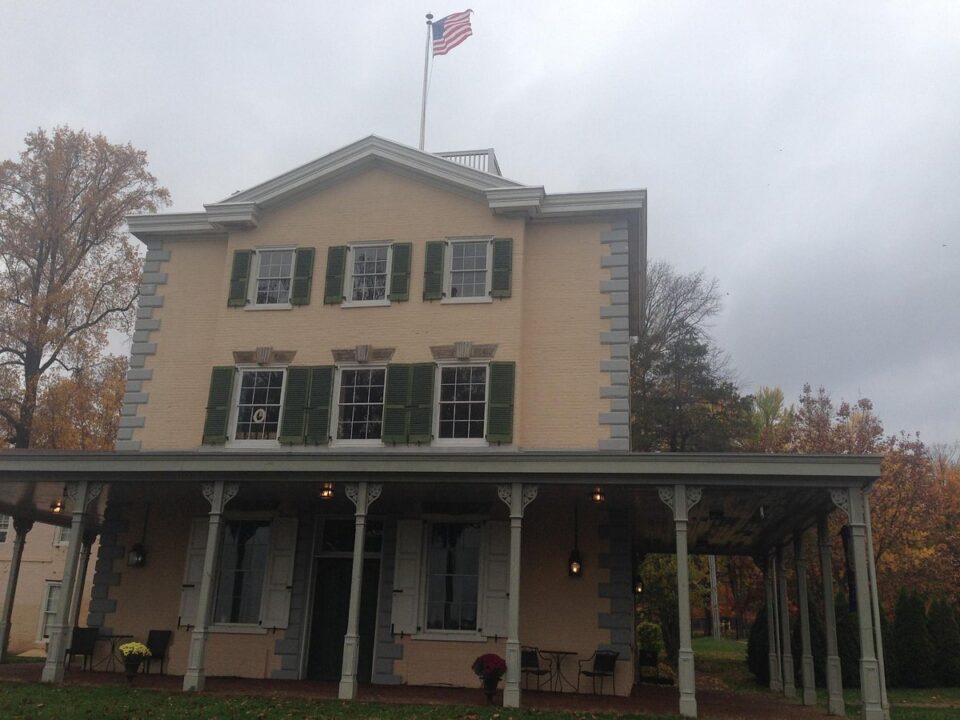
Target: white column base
{"type": "Point", "coordinates": [511, 687]}
{"type": "Point", "coordinates": [54, 667]}
{"type": "Point", "coordinates": [773, 664]}
{"type": "Point", "coordinates": [511, 696]}
{"type": "Point", "coordinates": [348, 679]}
{"type": "Point", "coordinates": [688, 707]}
{"type": "Point", "coordinates": [195, 678]}
{"type": "Point", "coordinates": [789, 685]}
{"type": "Point", "coordinates": [809, 692]}
{"type": "Point", "coordinates": [686, 679]}
{"type": "Point", "coordinates": [870, 690]}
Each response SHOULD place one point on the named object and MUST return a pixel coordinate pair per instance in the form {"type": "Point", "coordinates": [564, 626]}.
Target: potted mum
{"type": "Point", "coordinates": [133, 654]}
{"type": "Point", "coordinates": [489, 668]}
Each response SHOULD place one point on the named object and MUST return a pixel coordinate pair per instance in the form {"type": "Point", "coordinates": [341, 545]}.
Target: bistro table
{"type": "Point", "coordinates": [556, 658]}
{"type": "Point", "coordinates": [109, 663]}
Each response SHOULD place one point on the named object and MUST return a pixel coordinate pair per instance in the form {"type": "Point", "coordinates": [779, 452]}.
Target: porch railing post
{"type": "Point", "coordinates": [809, 693]}
{"type": "Point", "coordinates": [773, 644]}
{"type": "Point", "coordinates": [218, 494]}
{"type": "Point", "coordinates": [81, 493]}
{"type": "Point", "coordinates": [786, 652]}
{"type": "Point", "coordinates": [835, 704]}
{"type": "Point", "coordinates": [680, 499]}
{"type": "Point", "coordinates": [850, 500]}
{"type": "Point", "coordinates": [362, 495]}
{"type": "Point", "coordinates": [516, 496]}
{"type": "Point", "coordinates": [22, 526]}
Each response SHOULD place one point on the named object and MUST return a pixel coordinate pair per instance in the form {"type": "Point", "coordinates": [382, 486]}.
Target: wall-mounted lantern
{"type": "Point", "coordinates": [137, 557]}
{"type": "Point", "coordinates": [597, 495]}
{"type": "Point", "coordinates": [326, 491]}
{"type": "Point", "coordinates": [575, 562]}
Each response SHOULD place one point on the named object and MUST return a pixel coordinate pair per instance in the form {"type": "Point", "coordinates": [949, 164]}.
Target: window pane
{"type": "Point", "coordinates": [369, 280]}
{"type": "Point", "coordinates": [258, 407]}
{"type": "Point", "coordinates": [463, 396]}
{"type": "Point", "coordinates": [273, 276]}
{"type": "Point", "coordinates": [468, 269]}
{"type": "Point", "coordinates": [361, 404]}
{"type": "Point", "coordinates": [243, 563]}
{"type": "Point", "coordinates": [453, 576]}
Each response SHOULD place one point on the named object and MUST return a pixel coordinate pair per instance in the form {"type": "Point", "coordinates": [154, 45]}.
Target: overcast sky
{"type": "Point", "coordinates": [805, 154]}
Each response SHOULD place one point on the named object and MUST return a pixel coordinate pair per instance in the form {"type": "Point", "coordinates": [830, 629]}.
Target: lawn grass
{"type": "Point", "coordinates": [32, 701]}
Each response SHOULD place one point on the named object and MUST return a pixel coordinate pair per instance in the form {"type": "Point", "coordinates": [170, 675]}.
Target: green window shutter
{"type": "Point", "coordinates": [336, 267]}
{"type": "Point", "coordinates": [302, 277]}
{"type": "Point", "coordinates": [318, 406]}
{"type": "Point", "coordinates": [295, 395]}
{"type": "Point", "coordinates": [400, 272]}
{"type": "Point", "coordinates": [420, 409]}
{"type": "Point", "coordinates": [500, 282]}
{"type": "Point", "coordinates": [396, 397]}
{"type": "Point", "coordinates": [240, 278]}
{"type": "Point", "coordinates": [218, 405]}
{"type": "Point", "coordinates": [433, 270]}
{"type": "Point", "coordinates": [500, 392]}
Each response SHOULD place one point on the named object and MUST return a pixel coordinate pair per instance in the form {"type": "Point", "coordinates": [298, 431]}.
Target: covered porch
{"type": "Point", "coordinates": [392, 514]}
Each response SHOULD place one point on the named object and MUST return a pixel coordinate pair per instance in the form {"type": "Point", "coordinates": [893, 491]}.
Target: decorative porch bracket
{"type": "Point", "coordinates": [218, 494]}
{"type": "Point", "coordinates": [852, 502]}
{"type": "Point", "coordinates": [362, 495]}
{"type": "Point", "coordinates": [21, 526]}
{"type": "Point", "coordinates": [80, 494]}
{"type": "Point", "coordinates": [515, 496]}
{"type": "Point", "coordinates": [681, 499]}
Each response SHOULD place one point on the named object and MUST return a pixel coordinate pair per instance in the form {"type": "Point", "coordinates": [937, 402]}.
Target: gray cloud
{"type": "Point", "coordinates": [805, 155]}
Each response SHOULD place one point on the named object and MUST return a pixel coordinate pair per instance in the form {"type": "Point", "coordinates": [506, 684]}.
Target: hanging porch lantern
{"type": "Point", "coordinates": [597, 495]}
{"type": "Point", "coordinates": [326, 491]}
{"type": "Point", "coordinates": [575, 562]}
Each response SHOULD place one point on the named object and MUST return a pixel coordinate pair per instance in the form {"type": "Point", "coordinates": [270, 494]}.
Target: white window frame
{"type": "Point", "coordinates": [448, 271]}
{"type": "Point", "coordinates": [335, 407]}
{"type": "Point", "coordinates": [459, 442]}
{"type": "Point", "coordinates": [252, 303]}
{"type": "Point", "coordinates": [454, 635]}
{"type": "Point", "coordinates": [58, 540]}
{"type": "Point", "coordinates": [242, 628]}
{"type": "Point", "coordinates": [41, 625]}
{"type": "Point", "coordinates": [4, 527]}
{"type": "Point", "coordinates": [348, 300]}
{"type": "Point", "coordinates": [235, 408]}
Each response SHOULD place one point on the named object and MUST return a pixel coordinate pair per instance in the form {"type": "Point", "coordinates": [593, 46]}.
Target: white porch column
{"type": "Point", "coordinates": [806, 659]}
{"type": "Point", "coordinates": [875, 602]}
{"type": "Point", "coordinates": [680, 499]}
{"type": "Point", "coordinates": [89, 537]}
{"type": "Point", "coordinates": [516, 496]}
{"type": "Point", "coordinates": [773, 643]}
{"type": "Point", "coordinates": [81, 493]}
{"type": "Point", "coordinates": [218, 494]}
{"type": "Point", "coordinates": [362, 495]}
{"type": "Point", "coordinates": [835, 704]}
{"type": "Point", "coordinates": [786, 652]}
{"type": "Point", "coordinates": [22, 527]}
{"type": "Point", "coordinates": [850, 500]}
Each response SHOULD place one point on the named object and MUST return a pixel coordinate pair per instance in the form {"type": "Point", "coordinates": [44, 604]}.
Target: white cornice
{"type": "Point", "coordinates": [195, 223]}
{"type": "Point", "coordinates": [233, 214]}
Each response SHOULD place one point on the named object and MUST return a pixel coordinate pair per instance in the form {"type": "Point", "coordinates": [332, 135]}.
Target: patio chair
{"type": "Point", "coordinates": [82, 643]}
{"type": "Point", "coordinates": [530, 665]}
{"type": "Point", "coordinates": [602, 664]}
{"type": "Point", "coordinates": [157, 642]}
{"type": "Point", "coordinates": [647, 658]}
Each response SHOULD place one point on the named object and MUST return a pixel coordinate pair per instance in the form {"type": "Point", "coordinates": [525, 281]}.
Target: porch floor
{"type": "Point", "coordinates": [713, 703]}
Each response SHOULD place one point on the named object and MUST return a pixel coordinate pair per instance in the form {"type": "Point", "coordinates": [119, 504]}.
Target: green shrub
{"type": "Point", "coordinates": [913, 652]}
{"type": "Point", "coordinates": [650, 637]}
{"type": "Point", "coordinates": [945, 636]}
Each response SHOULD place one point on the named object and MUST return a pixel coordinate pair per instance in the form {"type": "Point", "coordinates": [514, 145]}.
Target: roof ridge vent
{"type": "Point", "coordinates": [483, 160]}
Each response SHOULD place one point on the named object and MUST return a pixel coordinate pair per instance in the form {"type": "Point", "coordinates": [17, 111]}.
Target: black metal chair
{"type": "Point", "coordinates": [157, 642]}
{"type": "Point", "coordinates": [647, 658]}
{"type": "Point", "coordinates": [82, 643]}
{"type": "Point", "coordinates": [530, 665]}
{"type": "Point", "coordinates": [602, 664]}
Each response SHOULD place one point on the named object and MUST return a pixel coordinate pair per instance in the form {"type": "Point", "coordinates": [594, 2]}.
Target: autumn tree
{"type": "Point", "coordinates": [68, 274]}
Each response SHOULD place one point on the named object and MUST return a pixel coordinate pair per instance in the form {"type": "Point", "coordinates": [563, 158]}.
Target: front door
{"type": "Point", "coordinates": [331, 605]}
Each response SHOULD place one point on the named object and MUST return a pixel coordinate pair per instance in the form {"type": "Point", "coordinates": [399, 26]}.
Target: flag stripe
{"type": "Point", "coordinates": [450, 31]}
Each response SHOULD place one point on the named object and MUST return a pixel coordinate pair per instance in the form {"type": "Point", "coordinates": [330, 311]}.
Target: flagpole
{"type": "Point", "coordinates": [426, 63]}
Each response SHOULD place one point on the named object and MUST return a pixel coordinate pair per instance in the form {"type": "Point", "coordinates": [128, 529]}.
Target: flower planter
{"type": "Point", "coordinates": [131, 664]}
{"type": "Point", "coordinates": [490, 687]}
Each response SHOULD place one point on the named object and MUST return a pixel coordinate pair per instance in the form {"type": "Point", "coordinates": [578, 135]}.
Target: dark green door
{"type": "Point", "coordinates": [331, 605]}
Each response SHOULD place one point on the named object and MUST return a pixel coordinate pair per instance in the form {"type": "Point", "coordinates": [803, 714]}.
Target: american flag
{"type": "Point", "coordinates": [450, 31]}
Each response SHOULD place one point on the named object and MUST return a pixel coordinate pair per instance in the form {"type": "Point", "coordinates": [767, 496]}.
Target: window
{"type": "Point", "coordinates": [369, 275]}
{"type": "Point", "coordinates": [469, 264]}
{"type": "Point", "coordinates": [61, 536]}
{"type": "Point", "coordinates": [4, 527]}
{"type": "Point", "coordinates": [51, 599]}
{"type": "Point", "coordinates": [243, 562]}
{"type": "Point", "coordinates": [258, 404]}
{"type": "Point", "coordinates": [453, 567]}
{"type": "Point", "coordinates": [274, 272]}
{"type": "Point", "coordinates": [360, 413]}
{"type": "Point", "coordinates": [463, 402]}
